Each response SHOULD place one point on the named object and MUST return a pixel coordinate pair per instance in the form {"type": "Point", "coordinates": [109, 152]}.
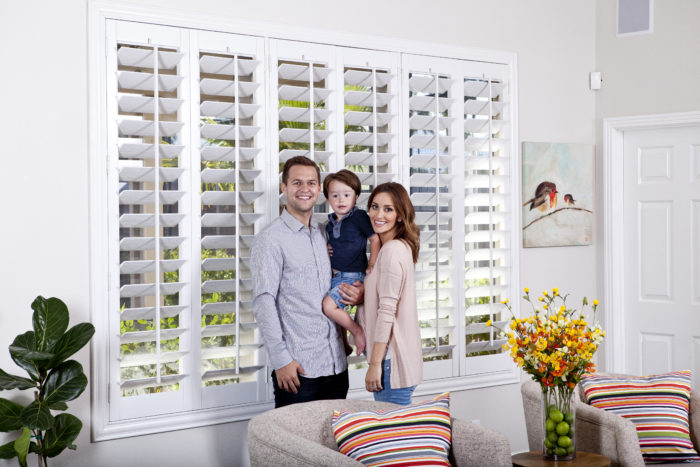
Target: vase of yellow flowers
{"type": "Point", "coordinates": [555, 345]}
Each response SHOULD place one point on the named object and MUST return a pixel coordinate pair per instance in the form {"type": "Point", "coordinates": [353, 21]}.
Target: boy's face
{"type": "Point", "coordinates": [341, 198]}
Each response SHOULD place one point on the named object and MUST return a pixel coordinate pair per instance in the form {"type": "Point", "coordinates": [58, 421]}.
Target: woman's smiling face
{"type": "Point", "coordinates": [382, 213]}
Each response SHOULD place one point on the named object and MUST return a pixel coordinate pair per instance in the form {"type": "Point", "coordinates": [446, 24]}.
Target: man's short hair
{"type": "Point", "coordinates": [342, 176]}
{"type": "Point", "coordinates": [299, 160]}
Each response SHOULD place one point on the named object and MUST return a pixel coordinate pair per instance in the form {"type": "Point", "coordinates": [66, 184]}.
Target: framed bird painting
{"type": "Point", "coordinates": [557, 194]}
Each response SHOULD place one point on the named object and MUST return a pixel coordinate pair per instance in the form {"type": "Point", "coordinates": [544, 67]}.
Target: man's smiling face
{"type": "Point", "coordinates": [302, 189]}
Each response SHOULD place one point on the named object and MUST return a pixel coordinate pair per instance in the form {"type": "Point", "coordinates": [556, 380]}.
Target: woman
{"type": "Point", "coordinates": [389, 316]}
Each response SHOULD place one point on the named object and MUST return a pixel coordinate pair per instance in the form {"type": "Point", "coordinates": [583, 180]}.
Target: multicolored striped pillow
{"type": "Point", "coordinates": [658, 406]}
{"type": "Point", "coordinates": [417, 434]}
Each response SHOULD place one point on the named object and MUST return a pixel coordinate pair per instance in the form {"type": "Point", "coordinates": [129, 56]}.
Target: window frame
{"type": "Point", "coordinates": [98, 15]}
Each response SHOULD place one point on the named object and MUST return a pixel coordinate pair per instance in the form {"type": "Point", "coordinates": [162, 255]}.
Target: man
{"type": "Point", "coordinates": [291, 276]}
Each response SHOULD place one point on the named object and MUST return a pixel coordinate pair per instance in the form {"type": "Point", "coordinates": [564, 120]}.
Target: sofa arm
{"type": "Point", "coordinates": [694, 419]}
{"type": "Point", "coordinates": [608, 434]}
{"type": "Point", "coordinates": [473, 445]}
{"type": "Point", "coordinates": [269, 444]}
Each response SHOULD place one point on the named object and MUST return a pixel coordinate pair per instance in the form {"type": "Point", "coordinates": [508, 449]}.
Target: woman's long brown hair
{"type": "Point", "coordinates": [407, 230]}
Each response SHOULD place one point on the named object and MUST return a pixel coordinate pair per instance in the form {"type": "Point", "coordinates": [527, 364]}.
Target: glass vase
{"type": "Point", "coordinates": [558, 418]}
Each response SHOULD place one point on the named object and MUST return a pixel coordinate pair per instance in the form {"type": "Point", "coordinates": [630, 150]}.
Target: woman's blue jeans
{"type": "Point", "coordinates": [400, 396]}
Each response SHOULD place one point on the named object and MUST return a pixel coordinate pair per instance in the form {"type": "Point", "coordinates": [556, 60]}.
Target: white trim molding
{"type": "Point", "coordinates": [613, 201]}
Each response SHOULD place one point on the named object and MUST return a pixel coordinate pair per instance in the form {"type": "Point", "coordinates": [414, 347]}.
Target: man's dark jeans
{"type": "Point", "coordinates": [313, 389]}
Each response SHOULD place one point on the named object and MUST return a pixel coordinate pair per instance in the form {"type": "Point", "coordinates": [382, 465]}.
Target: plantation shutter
{"type": "Point", "coordinates": [302, 86]}
{"type": "Point", "coordinates": [197, 127]}
{"type": "Point", "coordinates": [488, 220]}
{"type": "Point", "coordinates": [230, 132]}
{"type": "Point", "coordinates": [431, 96]}
{"type": "Point", "coordinates": [149, 142]}
{"type": "Point", "coordinates": [368, 121]}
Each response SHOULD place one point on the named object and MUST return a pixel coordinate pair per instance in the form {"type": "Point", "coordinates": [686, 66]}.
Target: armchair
{"type": "Point", "coordinates": [597, 430]}
{"type": "Point", "coordinates": [301, 435]}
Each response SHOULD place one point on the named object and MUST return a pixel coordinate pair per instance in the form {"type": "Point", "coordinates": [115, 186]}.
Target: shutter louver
{"type": "Point", "coordinates": [430, 181]}
{"type": "Point", "coordinates": [486, 214]}
{"type": "Point", "coordinates": [149, 127]}
{"type": "Point", "coordinates": [230, 345]}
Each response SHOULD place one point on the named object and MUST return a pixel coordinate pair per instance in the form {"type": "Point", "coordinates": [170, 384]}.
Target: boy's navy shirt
{"type": "Point", "coordinates": [348, 237]}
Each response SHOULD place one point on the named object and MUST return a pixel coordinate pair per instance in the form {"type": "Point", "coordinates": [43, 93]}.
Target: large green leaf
{"type": "Point", "coordinates": [65, 382]}
{"type": "Point", "coordinates": [8, 381]}
{"type": "Point", "coordinates": [58, 406]}
{"type": "Point", "coordinates": [62, 435]}
{"type": "Point", "coordinates": [37, 416]}
{"type": "Point", "coordinates": [9, 415]}
{"type": "Point", "coordinates": [7, 451]}
{"type": "Point", "coordinates": [72, 341]}
{"type": "Point", "coordinates": [50, 321]}
{"type": "Point", "coordinates": [22, 446]}
{"type": "Point", "coordinates": [25, 341]}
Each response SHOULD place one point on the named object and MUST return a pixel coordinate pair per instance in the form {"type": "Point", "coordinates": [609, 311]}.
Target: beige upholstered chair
{"type": "Point", "coordinates": [300, 435]}
{"type": "Point", "coordinates": [597, 430]}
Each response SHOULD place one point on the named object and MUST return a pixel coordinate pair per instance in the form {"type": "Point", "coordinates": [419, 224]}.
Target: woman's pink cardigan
{"type": "Point", "coordinates": [389, 313]}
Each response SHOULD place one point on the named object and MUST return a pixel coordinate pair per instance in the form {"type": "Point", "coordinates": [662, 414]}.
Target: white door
{"type": "Point", "coordinates": [662, 250]}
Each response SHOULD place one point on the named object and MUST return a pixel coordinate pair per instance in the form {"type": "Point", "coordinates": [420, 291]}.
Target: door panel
{"type": "Point", "coordinates": [662, 249]}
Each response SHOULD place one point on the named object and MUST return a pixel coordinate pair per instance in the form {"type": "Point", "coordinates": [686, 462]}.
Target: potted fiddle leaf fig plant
{"type": "Point", "coordinates": [43, 353]}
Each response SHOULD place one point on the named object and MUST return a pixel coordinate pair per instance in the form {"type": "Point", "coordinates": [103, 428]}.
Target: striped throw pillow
{"type": "Point", "coordinates": [417, 434]}
{"type": "Point", "coordinates": [658, 406]}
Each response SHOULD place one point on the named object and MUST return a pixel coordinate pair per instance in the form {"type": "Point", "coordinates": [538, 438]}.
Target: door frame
{"type": "Point", "coordinates": [613, 224]}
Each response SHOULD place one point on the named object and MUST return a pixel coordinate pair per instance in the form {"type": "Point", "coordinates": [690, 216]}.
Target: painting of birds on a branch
{"type": "Point", "coordinates": [557, 194]}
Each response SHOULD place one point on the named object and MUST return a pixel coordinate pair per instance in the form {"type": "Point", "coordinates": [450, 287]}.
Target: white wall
{"type": "Point", "coordinates": [43, 176]}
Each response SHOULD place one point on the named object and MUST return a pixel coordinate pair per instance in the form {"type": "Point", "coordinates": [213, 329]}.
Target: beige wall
{"type": "Point", "coordinates": [43, 168]}
{"type": "Point", "coordinates": [650, 73]}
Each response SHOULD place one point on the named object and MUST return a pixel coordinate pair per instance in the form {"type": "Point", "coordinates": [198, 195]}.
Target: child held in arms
{"type": "Point", "coordinates": [348, 230]}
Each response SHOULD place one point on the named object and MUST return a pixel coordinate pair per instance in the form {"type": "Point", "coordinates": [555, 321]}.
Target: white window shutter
{"type": "Point", "coordinates": [303, 88]}
{"type": "Point", "coordinates": [231, 133]}
{"type": "Point", "coordinates": [198, 124]}
{"type": "Point", "coordinates": [488, 220]}
{"type": "Point", "coordinates": [150, 138]}
{"type": "Point", "coordinates": [432, 96]}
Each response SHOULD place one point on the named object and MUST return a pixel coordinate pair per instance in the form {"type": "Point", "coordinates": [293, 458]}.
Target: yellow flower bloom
{"type": "Point", "coordinates": [544, 306]}
{"type": "Point", "coordinates": [595, 302]}
{"type": "Point", "coordinates": [505, 301]}
{"type": "Point", "coordinates": [526, 290]}
{"type": "Point", "coordinates": [556, 291]}
{"type": "Point", "coordinates": [545, 293]}
{"type": "Point", "coordinates": [488, 323]}
{"type": "Point", "coordinates": [562, 308]}
{"type": "Point", "coordinates": [541, 299]}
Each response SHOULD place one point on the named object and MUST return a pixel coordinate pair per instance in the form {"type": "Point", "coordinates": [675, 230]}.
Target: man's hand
{"type": "Point", "coordinates": [288, 376]}
{"type": "Point", "coordinates": [352, 294]}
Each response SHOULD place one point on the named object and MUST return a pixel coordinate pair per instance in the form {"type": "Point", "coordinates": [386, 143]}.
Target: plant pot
{"type": "Point", "coordinates": [558, 419]}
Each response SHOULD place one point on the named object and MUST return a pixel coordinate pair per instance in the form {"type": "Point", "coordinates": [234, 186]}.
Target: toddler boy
{"type": "Point", "coordinates": [348, 230]}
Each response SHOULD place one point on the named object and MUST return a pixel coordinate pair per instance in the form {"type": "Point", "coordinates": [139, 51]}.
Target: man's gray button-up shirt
{"type": "Point", "coordinates": [291, 276]}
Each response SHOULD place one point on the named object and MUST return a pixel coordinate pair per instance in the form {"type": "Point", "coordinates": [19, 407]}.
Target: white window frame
{"type": "Point", "coordinates": [99, 12]}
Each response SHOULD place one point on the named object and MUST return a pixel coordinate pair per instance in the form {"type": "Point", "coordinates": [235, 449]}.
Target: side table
{"type": "Point", "coordinates": [583, 459]}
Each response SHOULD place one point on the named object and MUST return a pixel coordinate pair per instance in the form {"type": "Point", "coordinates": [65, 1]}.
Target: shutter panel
{"type": "Point", "coordinates": [368, 122]}
{"type": "Point", "coordinates": [150, 163]}
{"type": "Point", "coordinates": [303, 88]}
{"type": "Point", "coordinates": [431, 102]}
{"type": "Point", "coordinates": [369, 112]}
{"type": "Point", "coordinates": [487, 219]}
{"type": "Point", "coordinates": [230, 132]}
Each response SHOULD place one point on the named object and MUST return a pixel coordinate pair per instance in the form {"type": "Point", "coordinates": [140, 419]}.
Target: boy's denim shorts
{"type": "Point", "coordinates": [339, 278]}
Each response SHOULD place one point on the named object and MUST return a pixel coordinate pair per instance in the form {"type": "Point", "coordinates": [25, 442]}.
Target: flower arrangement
{"type": "Point", "coordinates": [555, 346]}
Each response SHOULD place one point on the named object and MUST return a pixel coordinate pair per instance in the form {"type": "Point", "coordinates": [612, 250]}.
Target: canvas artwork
{"type": "Point", "coordinates": [557, 194]}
